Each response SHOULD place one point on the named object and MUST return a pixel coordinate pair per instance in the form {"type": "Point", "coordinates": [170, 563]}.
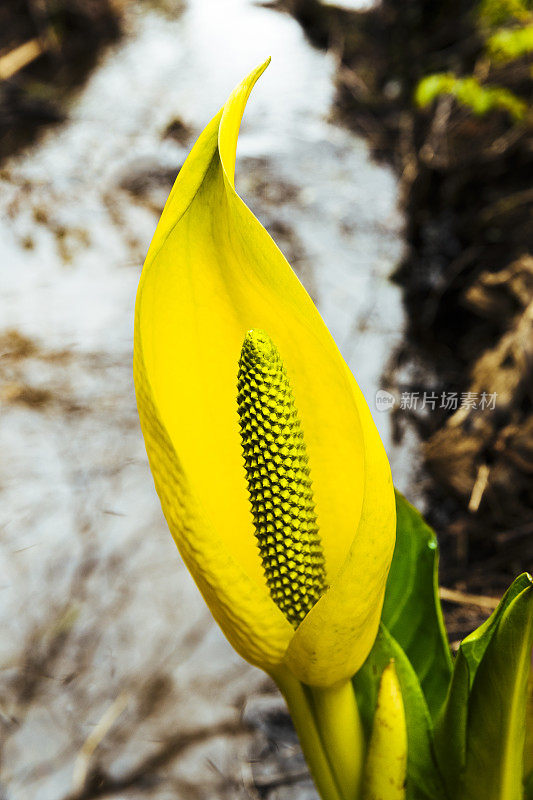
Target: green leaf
{"type": "Point", "coordinates": [423, 779]}
{"type": "Point", "coordinates": [508, 44]}
{"type": "Point", "coordinates": [470, 93]}
{"type": "Point", "coordinates": [451, 728]}
{"type": "Point", "coordinates": [473, 647]}
{"type": "Point", "coordinates": [497, 707]}
{"type": "Point", "coordinates": [528, 747]}
{"type": "Point", "coordinates": [474, 731]}
{"type": "Point", "coordinates": [433, 86]}
{"type": "Point", "coordinates": [412, 611]}
{"type": "Point", "coordinates": [528, 787]}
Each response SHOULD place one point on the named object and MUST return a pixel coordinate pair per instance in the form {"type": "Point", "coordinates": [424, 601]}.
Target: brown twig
{"type": "Point", "coordinates": [20, 57]}
{"type": "Point", "coordinates": [100, 784]}
{"type": "Point", "coordinates": [463, 598]}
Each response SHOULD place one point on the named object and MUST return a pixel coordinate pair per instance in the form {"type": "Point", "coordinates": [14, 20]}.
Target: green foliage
{"type": "Point", "coordinates": [480, 735]}
{"type": "Point", "coordinates": [507, 26]}
{"type": "Point", "coordinates": [466, 727]}
{"type": "Point", "coordinates": [423, 779]}
{"type": "Point", "coordinates": [497, 707]}
{"type": "Point", "coordinates": [528, 747]}
{"type": "Point", "coordinates": [412, 611]}
{"type": "Point", "coordinates": [470, 93]}
{"type": "Point", "coordinates": [498, 12]}
{"type": "Point", "coordinates": [413, 634]}
{"type": "Point", "coordinates": [508, 44]}
{"type": "Point", "coordinates": [528, 787]}
{"type": "Point", "coordinates": [474, 646]}
{"type": "Point", "coordinates": [451, 729]}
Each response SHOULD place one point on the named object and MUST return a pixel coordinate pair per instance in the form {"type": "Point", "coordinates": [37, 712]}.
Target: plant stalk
{"type": "Point", "coordinates": [339, 724]}
{"type": "Point", "coordinates": [329, 729]}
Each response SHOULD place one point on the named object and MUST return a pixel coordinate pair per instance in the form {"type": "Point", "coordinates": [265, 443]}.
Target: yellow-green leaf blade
{"type": "Point", "coordinates": [412, 611]}
{"type": "Point", "coordinates": [497, 707]}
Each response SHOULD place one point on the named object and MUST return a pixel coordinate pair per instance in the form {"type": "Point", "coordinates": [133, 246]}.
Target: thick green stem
{"type": "Point", "coordinates": [329, 728]}
{"type": "Point", "coordinates": [338, 721]}
{"type": "Point", "coordinates": [298, 700]}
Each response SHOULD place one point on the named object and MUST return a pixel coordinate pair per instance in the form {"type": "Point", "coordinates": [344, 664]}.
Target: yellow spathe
{"type": "Point", "coordinates": [211, 274]}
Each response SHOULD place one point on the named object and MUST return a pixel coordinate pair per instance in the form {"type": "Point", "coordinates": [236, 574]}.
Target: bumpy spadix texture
{"type": "Point", "coordinates": [279, 483]}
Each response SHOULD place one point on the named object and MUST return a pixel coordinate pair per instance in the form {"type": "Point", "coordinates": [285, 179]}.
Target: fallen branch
{"type": "Point", "coordinates": [463, 598]}
{"type": "Point", "coordinates": [100, 784]}
{"type": "Point", "coordinates": [20, 57]}
{"type": "Point", "coordinates": [81, 767]}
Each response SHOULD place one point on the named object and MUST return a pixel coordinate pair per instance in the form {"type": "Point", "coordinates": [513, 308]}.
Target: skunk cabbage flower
{"type": "Point", "coordinates": [255, 428]}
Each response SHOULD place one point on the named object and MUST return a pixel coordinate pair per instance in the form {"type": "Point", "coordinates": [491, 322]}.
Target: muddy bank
{"type": "Point", "coordinates": [46, 52]}
{"type": "Point", "coordinates": [467, 276]}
